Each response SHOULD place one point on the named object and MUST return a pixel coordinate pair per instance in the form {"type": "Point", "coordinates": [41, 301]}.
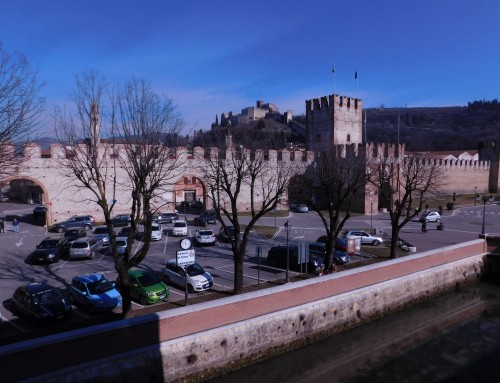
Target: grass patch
{"type": "Point", "coordinates": [267, 232]}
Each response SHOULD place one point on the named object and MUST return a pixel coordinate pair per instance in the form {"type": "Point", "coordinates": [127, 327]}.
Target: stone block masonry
{"type": "Point", "coordinates": [200, 341]}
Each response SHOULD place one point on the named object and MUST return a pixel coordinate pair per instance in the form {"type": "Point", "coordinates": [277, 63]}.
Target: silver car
{"type": "Point", "coordinates": [85, 247]}
{"type": "Point", "coordinates": [101, 232]}
{"type": "Point", "coordinates": [366, 238]}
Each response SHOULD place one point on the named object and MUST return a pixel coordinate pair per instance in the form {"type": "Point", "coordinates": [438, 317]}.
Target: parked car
{"type": "Point", "coordinates": [50, 250]}
{"type": "Point", "coordinates": [95, 292]}
{"type": "Point", "coordinates": [319, 249]}
{"type": "Point", "coordinates": [302, 208]}
{"type": "Point", "coordinates": [125, 231]}
{"type": "Point", "coordinates": [166, 217]}
{"type": "Point", "coordinates": [85, 248]}
{"type": "Point", "coordinates": [121, 220]}
{"type": "Point", "coordinates": [366, 238]}
{"type": "Point", "coordinates": [228, 236]}
{"type": "Point", "coordinates": [156, 232]}
{"type": "Point", "coordinates": [73, 233]}
{"type": "Point", "coordinates": [146, 286]}
{"type": "Point", "coordinates": [205, 218]}
{"type": "Point", "coordinates": [340, 242]}
{"type": "Point", "coordinates": [179, 229]}
{"type": "Point", "coordinates": [204, 237]}
{"type": "Point", "coordinates": [276, 257]}
{"type": "Point", "coordinates": [41, 302]}
{"type": "Point", "coordinates": [121, 245]}
{"type": "Point", "coordinates": [85, 221]}
{"type": "Point", "coordinates": [431, 216]}
{"type": "Point", "coordinates": [197, 278]}
{"type": "Point", "coordinates": [101, 232]}
{"type": "Point", "coordinates": [39, 211]}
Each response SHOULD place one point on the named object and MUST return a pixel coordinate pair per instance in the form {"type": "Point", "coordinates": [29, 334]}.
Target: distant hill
{"type": "Point", "coordinates": [445, 128]}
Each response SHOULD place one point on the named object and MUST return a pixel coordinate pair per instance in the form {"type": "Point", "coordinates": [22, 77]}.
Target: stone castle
{"type": "Point", "coordinates": [330, 121]}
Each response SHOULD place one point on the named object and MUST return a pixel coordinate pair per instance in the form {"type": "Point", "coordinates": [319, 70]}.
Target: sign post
{"type": "Point", "coordinates": [185, 258]}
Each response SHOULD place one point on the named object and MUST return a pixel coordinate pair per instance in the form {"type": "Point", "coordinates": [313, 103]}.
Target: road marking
{"type": "Point", "coordinates": [20, 242]}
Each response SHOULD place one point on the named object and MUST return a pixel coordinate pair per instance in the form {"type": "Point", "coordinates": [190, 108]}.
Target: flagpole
{"type": "Point", "coordinates": [356, 78]}
{"type": "Point", "coordinates": [333, 71]}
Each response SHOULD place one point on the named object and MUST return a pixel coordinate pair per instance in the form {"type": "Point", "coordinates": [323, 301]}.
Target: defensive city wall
{"type": "Point", "coordinates": [200, 341]}
{"type": "Point", "coordinates": [63, 196]}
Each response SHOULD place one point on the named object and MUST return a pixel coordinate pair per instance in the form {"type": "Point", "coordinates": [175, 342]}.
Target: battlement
{"type": "Point", "coordinates": [333, 101]}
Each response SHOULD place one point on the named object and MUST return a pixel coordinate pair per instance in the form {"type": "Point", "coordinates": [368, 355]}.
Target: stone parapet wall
{"type": "Point", "coordinates": [202, 340]}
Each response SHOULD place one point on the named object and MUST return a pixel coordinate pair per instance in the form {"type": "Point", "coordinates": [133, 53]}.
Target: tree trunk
{"type": "Point", "coordinates": [394, 242]}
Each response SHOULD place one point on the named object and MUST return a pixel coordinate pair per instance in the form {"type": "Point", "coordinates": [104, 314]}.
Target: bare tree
{"type": "Point", "coordinates": [237, 173]}
{"type": "Point", "coordinates": [20, 108]}
{"type": "Point", "coordinates": [143, 128]}
{"type": "Point", "coordinates": [403, 184]}
{"type": "Point", "coordinates": [337, 181]}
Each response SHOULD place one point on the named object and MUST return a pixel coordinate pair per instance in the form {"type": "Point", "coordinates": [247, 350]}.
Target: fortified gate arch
{"type": "Point", "coordinates": [188, 189]}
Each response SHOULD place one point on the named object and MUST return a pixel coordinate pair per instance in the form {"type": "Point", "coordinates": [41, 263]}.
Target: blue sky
{"type": "Point", "coordinates": [216, 56]}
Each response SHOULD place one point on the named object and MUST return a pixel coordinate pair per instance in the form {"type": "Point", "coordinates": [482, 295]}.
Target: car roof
{"type": "Point", "coordinates": [84, 239]}
{"type": "Point", "coordinates": [89, 278]}
{"type": "Point", "coordinates": [138, 272]}
{"type": "Point", "coordinates": [322, 244]}
{"type": "Point", "coordinates": [38, 286]}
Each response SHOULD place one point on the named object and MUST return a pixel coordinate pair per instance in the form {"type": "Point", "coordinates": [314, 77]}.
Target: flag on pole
{"type": "Point", "coordinates": [356, 75]}
{"type": "Point", "coordinates": [333, 69]}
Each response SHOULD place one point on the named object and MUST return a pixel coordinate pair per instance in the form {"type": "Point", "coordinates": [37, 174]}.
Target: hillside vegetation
{"type": "Point", "coordinates": [445, 128]}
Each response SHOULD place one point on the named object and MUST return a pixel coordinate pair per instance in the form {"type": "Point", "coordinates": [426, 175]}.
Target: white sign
{"type": "Point", "coordinates": [303, 253]}
{"type": "Point", "coordinates": [185, 257]}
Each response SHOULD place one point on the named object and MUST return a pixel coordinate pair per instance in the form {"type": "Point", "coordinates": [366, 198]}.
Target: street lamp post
{"type": "Point", "coordinates": [287, 277]}
{"type": "Point", "coordinates": [371, 216]}
{"type": "Point", "coordinates": [475, 195]}
{"type": "Point", "coordinates": [484, 212]}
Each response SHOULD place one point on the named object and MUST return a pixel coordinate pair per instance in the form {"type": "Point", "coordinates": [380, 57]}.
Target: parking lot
{"type": "Point", "coordinates": [15, 247]}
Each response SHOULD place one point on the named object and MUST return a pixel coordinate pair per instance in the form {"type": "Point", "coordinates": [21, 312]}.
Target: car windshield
{"type": "Point", "coordinates": [195, 269]}
{"type": "Point", "coordinates": [47, 296]}
{"type": "Point", "coordinates": [48, 244]}
{"type": "Point", "coordinates": [180, 224]}
{"type": "Point", "coordinates": [99, 287]}
{"type": "Point", "coordinates": [155, 228]}
{"type": "Point", "coordinates": [79, 245]}
{"type": "Point", "coordinates": [148, 279]}
{"type": "Point", "coordinates": [101, 230]}
{"type": "Point", "coordinates": [121, 243]}
{"type": "Point", "coordinates": [71, 232]}
{"type": "Point", "coordinates": [206, 232]}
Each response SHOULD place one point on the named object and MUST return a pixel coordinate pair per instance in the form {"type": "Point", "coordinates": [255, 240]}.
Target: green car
{"type": "Point", "coordinates": [146, 287]}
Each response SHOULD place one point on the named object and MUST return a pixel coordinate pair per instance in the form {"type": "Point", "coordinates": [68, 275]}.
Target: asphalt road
{"type": "Point", "coordinates": [459, 225]}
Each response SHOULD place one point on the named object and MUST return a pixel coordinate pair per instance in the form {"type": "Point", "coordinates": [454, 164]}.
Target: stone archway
{"type": "Point", "coordinates": [190, 193]}
{"type": "Point", "coordinates": [28, 190]}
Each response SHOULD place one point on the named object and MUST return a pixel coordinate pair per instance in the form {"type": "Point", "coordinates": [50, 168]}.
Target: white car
{"type": "Point", "coordinates": [180, 229]}
{"type": "Point", "coordinates": [366, 238]}
{"type": "Point", "coordinates": [156, 232]}
{"type": "Point", "coordinates": [204, 237]}
{"type": "Point", "coordinates": [198, 279]}
{"type": "Point", "coordinates": [432, 216]}
{"type": "Point", "coordinates": [302, 208]}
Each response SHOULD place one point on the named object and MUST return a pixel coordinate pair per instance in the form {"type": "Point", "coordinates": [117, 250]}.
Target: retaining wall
{"type": "Point", "coordinates": [196, 342]}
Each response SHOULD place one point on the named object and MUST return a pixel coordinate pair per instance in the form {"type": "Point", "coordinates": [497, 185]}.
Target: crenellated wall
{"type": "Point", "coordinates": [333, 120]}
{"type": "Point", "coordinates": [64, 197]}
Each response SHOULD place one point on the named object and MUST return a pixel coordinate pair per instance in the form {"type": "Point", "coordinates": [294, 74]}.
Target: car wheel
{"type": "Point", "coordinates": [376, 243]}
{"type": "Point", "coordinates": [87, 227]}
{"type": "Point", "coordinates": [166, 279]}
{"type": "Point", "coordinates": [143, 301]}
{"type": "Point", "coordinates": [60, 229]}
{"type": "Point", "coordinates": [438, 220]}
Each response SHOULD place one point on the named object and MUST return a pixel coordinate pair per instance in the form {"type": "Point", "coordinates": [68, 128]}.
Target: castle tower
{"type": "Point", "coordinates": [333, 120]}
